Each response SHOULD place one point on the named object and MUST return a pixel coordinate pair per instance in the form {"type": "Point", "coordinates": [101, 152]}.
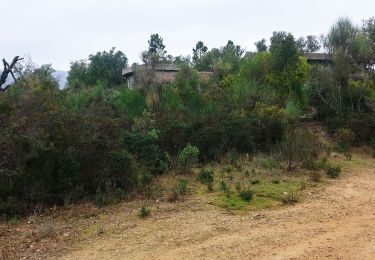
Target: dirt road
{"type": "Point", "coordinates": [335, 222]}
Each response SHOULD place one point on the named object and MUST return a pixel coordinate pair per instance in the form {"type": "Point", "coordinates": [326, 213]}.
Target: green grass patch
{"type": "Point", "coordinates": [267, 194]}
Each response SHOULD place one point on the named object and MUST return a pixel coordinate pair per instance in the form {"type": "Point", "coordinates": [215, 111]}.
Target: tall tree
{"type": "Point", "coordinates": [261, 45]}
{"type": "Point", "coordinates": [198, 51]}
{"type": "Point", "coordinates": [102, 66]}
{"type": "Point", "coordinates": [156, 52]}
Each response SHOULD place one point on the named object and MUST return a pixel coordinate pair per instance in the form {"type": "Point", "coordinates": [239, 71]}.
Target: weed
{"type": "Point", "coordinates": [174, 195]}
{"type": "Point", "coordinates": [348, 156]}
{"type": "Point", "coordinates": [147, 178]}
{"type": "Point", "coordinates": [254, 182]}
{"type": "Point", "coordinates": [233, 158]}
{"type": "Point", "coordinates": [99, 198]}
{"type": "Point", "coordinates": [227, 169]}
{"type": "Point", "coordinates": [267, 161]}
{"type": "Point", "coordinates": [224, 188]}
{"type": "Point", "coordinates": [276, 181]}
{"type": "Point", "coordinates": [205, 176]}
{"type": "Point", "coordinates": [246, 195]}
{"type": "Point", "coordinates": [99, 230]}
{"type": "Point", "coordinates": [120, 193]}
{"type": "Point", "coordinates": [144, 212]}
{"type": "Point", "coordinates": [291, 197]}
{"type": "Point", "coordinates": [333, 171]}
{"type": "Point", "coordinates": [183, 186]}
{"type": "Point", "coordinates": [47, 230]}
{"type": "Point", "coordinates": [315, 176]}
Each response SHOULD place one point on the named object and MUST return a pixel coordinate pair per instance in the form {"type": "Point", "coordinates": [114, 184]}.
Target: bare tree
{"type": "Point", "coordinates": [8, 69]}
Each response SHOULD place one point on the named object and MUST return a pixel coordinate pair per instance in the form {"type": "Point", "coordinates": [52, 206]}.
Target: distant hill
{"type": "Point", "coordinates": [60, 75]}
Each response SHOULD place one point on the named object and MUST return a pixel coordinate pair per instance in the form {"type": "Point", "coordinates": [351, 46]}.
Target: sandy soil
{"type": "Point", "coordinates": [334, 222]}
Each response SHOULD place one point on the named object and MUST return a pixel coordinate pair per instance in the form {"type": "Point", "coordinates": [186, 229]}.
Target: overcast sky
{"type": "Point", "coordinates": [61, 31]}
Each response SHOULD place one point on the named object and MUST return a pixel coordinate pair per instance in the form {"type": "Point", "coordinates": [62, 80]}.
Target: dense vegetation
{"type": "Point", "coordinates": [97, 139]}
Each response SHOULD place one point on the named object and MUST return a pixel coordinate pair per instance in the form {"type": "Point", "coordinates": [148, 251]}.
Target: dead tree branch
{"type": "Point", "coordinates": [8, 69]}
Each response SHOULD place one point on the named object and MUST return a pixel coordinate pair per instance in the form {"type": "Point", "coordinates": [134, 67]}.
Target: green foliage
{"type": "Point", "coordinates": [246, 195]}
{"type": "Point", "coordinates": [102, 66]}
{"type": "Point", "coordinates": [333, 171]}
{"type": "Point", "coordinates": [99, 140]}
{"type": "Point", "coordinates": [261, 45]}
{"type": "Point", "coordinates": [183, 186]}
{"type": "Point", "coordinates": [299, 147]}
{"type": "Point", "coordinates": [176, 192]}
{"type": "Point", "coordinates": [344, 138]}
{"type": "Point", "coordinates": [223, 186]}
{"type": "Point", "coordinates": [206, 177]}
{"type": "Point", "coordinates": [144, 212]}
{"type": "Point", "coordinates": [156, 52]}
{"type": "Point", "coordinates": [187, 157]}
{"type": "Point", "coordinates": [129, 101]}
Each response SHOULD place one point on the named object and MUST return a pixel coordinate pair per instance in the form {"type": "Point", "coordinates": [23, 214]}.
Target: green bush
{"type": "Point", "coordinates": [144, 212]}
{"type": "Point", "coordinates": [246, 195]}
{"type": "Point", "coordinates": [333, 171]}
{"type": "Point", "coordinates": [187, 157]}
{"type": "Point", "coordinates": [206, 177]}
{"type": "Point", "coordinates": [183, 186]}
{"type": "Point", "coordinates": [344, 138]}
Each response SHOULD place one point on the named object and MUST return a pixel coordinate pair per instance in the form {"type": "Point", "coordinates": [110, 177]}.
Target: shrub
{"type": "Point", "coordinates": [174, 195]}
{"type": "Point", "coordinates": [315, 176]}
{"type": "Point", "coordinates": [291, 196]}
{"type": "Point", "coordinates": [180, 189]}
{"type": "Point", "coordinates": [333, 171]}
{"type": "Point", "coordinates": [344, 138]}
{"type": "Point", "coordinates": [144, 212]}
{"type": "Point", "coordinates": [183, 186]}
{"type": "Point", "coordinates": [187, 157]}
{"type": "Point", "coordinates": [269, 162]}
{"type": "Point", "coordinates": [254, 182]}
{"type": "Point", "coordinates": [205, 176]}
{"type": "Point", "coordinates": [99, 198]}
{"type": "Point", "coordinates": [299, 147]}
{"type": "Point", "coordinates": [246, 195]}
{"type": "Point", "coordinates": [47, 230]}
{"type": "Point", "coordinates": [224, 188]}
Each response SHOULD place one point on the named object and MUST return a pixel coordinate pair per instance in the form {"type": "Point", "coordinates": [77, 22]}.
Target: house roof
{"type": "Point", "coordinates": [158, 67]}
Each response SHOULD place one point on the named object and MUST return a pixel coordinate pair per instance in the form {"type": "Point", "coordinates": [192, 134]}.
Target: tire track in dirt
{"type": "Point", "coordinates": [336, 222]}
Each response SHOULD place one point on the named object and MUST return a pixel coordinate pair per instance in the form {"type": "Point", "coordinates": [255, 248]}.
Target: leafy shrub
{"type": "Point", "coordinates": [224, 187]}
{"type": "Point", "coordinates": [299, 147]}
{"type": "Point", "coordinates": [291, 196]}
{"type": "Point", "coordinates": [144, 212]}
{"type": "Point", "coordinates": [183, 186]}
{"type": "Point", "coordinates": [180, 189]}
{"type": "Point", "coordinates": [174, 195]}
{"type": "Point", "coordinates": [206, 177]}
{"type": "Point", "coordinates": [344, 138]}
{"type": "Point", "coordinates": [270, 122]}
{"type": "Point", "coordinates": [246, 195]}
{"type": "Point", "coordinates": [99, 198]}
{"type": "Point", "coordinates": [187, 157]}
{"type": "Point", "coordinates": [333, 171]}
{"type": "Point", "coordinates": [270, 162]}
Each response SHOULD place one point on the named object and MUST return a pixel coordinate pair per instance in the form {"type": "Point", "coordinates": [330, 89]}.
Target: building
{"type": "Point", "coordinates": [319, 58]}
{"type": "Point", "coordinates": [162, 73]}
